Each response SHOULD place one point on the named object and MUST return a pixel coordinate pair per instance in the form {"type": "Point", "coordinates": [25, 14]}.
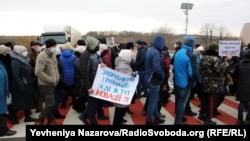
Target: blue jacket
{"type": "Point", "coordinates": [153, 61]}
{"type": "Point", "coordinates": [185, 68]}
{"type": "Point", "coordinates": [4, 88]}
{"type": "Point", "coordinates": [67, 62]}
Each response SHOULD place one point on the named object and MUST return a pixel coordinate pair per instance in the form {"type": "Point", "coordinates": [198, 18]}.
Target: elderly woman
{"type": "Point", "coordinates": [22, 87]}
{"type": "Point", "coordinates": [4, 92]}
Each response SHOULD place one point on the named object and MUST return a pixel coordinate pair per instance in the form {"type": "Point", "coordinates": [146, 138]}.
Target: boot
{"type": "Point", "coordinates": [201, 117]}
{"type": "Point", "coordinates": [28, 118]}
{"type": "Point", "coordinates": [12, 117]}
{"type": "Point", "coordinates": [53, 122]}
{"type": "Point", "coordinates": [208, 121]}
{"type": "Point", "coordinates": [247, 121]}
{"type": "Point", "coordinates": [149, 122]}
{"type": "Point", "coordinates": [158, 120]}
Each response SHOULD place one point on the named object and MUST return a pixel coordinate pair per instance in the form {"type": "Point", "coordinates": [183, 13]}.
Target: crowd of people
{"type": "Point", "coordinates": [44, 79]}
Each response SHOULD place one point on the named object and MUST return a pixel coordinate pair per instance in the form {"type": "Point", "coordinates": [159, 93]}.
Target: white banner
{"type": "Point", "coordinates": [113, 86]}
{"type": "Point", "coordinates": [232, 47]}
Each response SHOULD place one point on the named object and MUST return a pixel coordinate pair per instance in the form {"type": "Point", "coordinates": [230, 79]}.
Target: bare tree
{"type": "Point", "coordinates": [223, 33]}
{"type": "Point", "coordinates": [163, 30]}
{"type": "Point", "coordinates": [206, 31]}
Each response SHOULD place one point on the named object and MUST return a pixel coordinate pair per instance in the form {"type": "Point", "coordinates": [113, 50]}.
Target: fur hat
{"type": "Point", "coordinates": [33, 43]}
{"type": "Point", "coordinates": [213, 46]}
{"type": "Point", "coordinates": [189, 41]}
{"type": "Point", "coordinates": [80, 48]}
{"type": "Point", "coordinates": [103, 47]}
{"type": "Point", "coordinates": [18, 49]}
{"type": "Point", "coordinates": [67, 46]}
{"type": "Point", "coordinates": [4, 49]}
{"type": "Point", "coordinates": [50, 43]}
{"type": "Point", "coordinates": [200, 48]}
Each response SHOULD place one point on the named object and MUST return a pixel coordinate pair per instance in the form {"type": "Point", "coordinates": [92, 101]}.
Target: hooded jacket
{"type": "Point", "coordinates": [185, 70]}
{"type": "Point", "coordinates": [153, 62]}
{"type": "Point", "coordinates": [67, 64]}
{"type": "Point", "coordinates": [89, 61]}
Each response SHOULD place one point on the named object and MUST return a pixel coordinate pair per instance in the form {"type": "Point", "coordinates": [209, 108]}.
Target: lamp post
{"type": "Point", "coordinates": [186, 7]}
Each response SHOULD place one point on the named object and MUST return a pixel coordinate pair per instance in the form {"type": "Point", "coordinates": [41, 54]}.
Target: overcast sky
{"type": "Point", "coordinates": [28, 17]}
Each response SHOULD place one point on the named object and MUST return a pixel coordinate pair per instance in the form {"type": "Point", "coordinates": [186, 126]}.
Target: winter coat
{"type": "Point", "coordinates": [154, 73]}
{"type": "Point", "coordinates": [4, 88]}
{"type": "Point", "coordinates": [32, 61]}
{"type": "Point", "coordinates": [47, 69]}
{"type": "Point", "coordinates": [106, 57]}
{"type": "Point", "coordinates": [243, 81]}
{"type": "Point", "coordinates": [184, 67]}
{"type": "Point", "coordinates": [22, 87]}
{"type": "Point", "coordinates": [79, 87]}
{"type": "Point", "coordinates": [67, 64]}
{"type": "Point", "coordinates": [122, 64]}
{"type": "Point", "coordinates": [6, 60]}
{"type": "Point", "coordinates": [89, 61]}
{"type": "Point", "coordinates": [140, 59]}
{"type": "Point", "coordinates": [212, 69]}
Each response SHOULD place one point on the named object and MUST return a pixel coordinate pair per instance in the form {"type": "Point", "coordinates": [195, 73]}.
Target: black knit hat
{"type": "Point", "coordinates": [139, 42]}
{"type": "Point", "coordinates": [50, 43]}
{"type": "Point", "coordinates": [178, 43]}
{"type": "Point", "coordinates": [81, 42]}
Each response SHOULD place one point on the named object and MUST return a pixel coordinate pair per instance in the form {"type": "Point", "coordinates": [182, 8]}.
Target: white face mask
{"type": "Point", "coordinates": [175, 46]}
{"type": "Point", "coordinates": [25, 54]}
{"type": "Point", "coordinates": [39, 49]}
{"type": "Point", "coordinates": [99, 52]}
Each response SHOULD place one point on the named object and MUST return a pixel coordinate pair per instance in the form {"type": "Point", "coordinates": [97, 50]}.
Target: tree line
{"type": "Point", "coordinates": [208, 32]}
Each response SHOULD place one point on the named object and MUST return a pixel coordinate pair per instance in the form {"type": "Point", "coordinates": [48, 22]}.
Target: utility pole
{"type": "Point", "coordinates": [186, 7]}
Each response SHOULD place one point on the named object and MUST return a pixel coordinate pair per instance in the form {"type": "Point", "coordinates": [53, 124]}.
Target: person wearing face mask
{"type": "Point", "coordinates": [35, 46]}
{"type": "Point", "coordinates": [4, 92]}
{"type": "Point", "coordinates": [48, 76]}
{"type": "Point", "coordinates": [22, 87]}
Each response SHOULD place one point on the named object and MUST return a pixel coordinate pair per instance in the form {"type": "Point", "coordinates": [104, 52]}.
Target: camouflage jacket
{"type": "Point", "coordinates": [213, 69]}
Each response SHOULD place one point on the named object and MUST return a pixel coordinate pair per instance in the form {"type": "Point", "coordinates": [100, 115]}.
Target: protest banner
{"type": "Point", "coordinates": [232, 47]}
{"type": "Point", "coordinates": [113, 86]}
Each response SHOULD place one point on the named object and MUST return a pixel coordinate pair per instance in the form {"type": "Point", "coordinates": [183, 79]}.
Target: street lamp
{"type": "Point", "coordinates": [186, 7]}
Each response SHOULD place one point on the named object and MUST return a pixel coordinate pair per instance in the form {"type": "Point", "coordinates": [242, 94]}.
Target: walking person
{"type": "Point", "coordinates": [48, 76]}
{"type": "Point", "coordinates": [89, 61]}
